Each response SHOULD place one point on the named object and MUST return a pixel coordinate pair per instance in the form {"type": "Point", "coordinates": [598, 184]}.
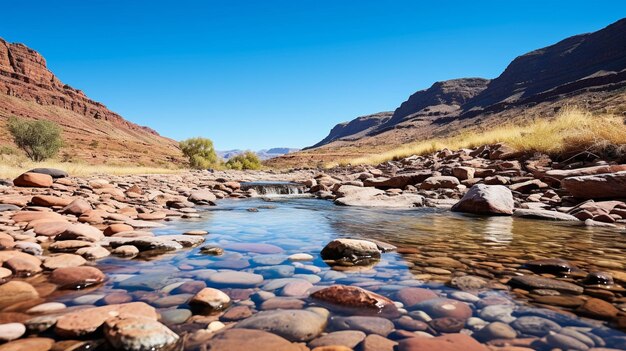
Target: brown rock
{"type": "Point", "coordinates": [76, 277]}
{"type": "Point", "coordinates": [63, 260]}
{"type": "Point", "coordinates": [248, 339]}
{"type": "Point", "coordinates": [412, 296]}
{"type": "Point", "coordinates": [87, 321]}
{"type": "Point", "coordinates": [77, 207]}
{"type": "Point", "coordinates": [16, 291]}
{"type": "Point", "coordinates": [600, 186]}
{"type": "Point", "coordinates": [35, 180]}
{"type": "Point", "coordinates": [597, 308]}
{"type": "Point", "coordinates": [28, 344]}
{"type": "Point", "coordinates": [375, 342]}
{"type": "Point", "coordinates": [486, 199]}
{"type": "Point", "coordinates": [117, 228]}
{"type": "Point", "coordinates": [450, 342]}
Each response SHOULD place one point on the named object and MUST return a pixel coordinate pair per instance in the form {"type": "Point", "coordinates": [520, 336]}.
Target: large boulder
{"type": "Point", "coordinates": [599, 186]}
{"type": "Point", "coordinates": [398, 181]}
{"type": "Point", "coordinates": [486, 199]}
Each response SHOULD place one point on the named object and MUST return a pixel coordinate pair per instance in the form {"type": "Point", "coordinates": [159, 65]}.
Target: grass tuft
{"type": "Point", "coordinates": [571, 131]}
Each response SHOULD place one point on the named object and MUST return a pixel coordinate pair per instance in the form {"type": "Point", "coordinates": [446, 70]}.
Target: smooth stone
{"type": "Point", "coordinates": [28, 344]}
{"type": "Point", "coordinates": [300, 257]}
{"type": "Point", "coordinates": [355, 297]}
{"type": "Point", "coordinates": [537, 282]}
{"type": "Point", "coordinates": [77, 277]}
{"type": "Point", "coordinates": [175, 316]}
{"type": "Point", "coordinates": [254, 248]}
{"type": "Point", "coordinates": [86, 321]}
{"type": "Point", "coordinates": [565, 342]}
{"type": "Point", "coordinates": [274, 272]}
{"type": "Point", "coordinates": [210, 299]}
{"type": "Point", "coordinates": [16, 291]}
{"type": "Point", "coordinates": [125, 251]}
{"type": "Point", "coordinates": [235, 279]}
{"type": "Point", "coordinates": [138, 334]}
{"type": "Point", "coordinates": [350, 250]}
{"type": "Point", "coordinates": [249, 339]}
{"type": "Point", "coordinates": [450, 342]}
{"type": "Point", "coordinates": [47, 307]}
{"type": "Point", "coordinates": [412, 296]}
{"type": "Point", "coordinates": [495, 330]}
{"type": "Point", "coordinates": [442, 307]}
{"type": "Point", "coordinates": [269, 260]}
{"type": "Point", "coordinates": [347, 338]}
{"type": "Point", "coordinates": [63, 260]}
{"type": "Point", "coordinates": [11, 331]}
{"type": "Point", "coordinates": [375, 342]}
{"type": "Point", "coordinates": [368, 325]}
{"type": "Point", "coordinates": [293, 325]}
{"type": "Point", "coordinates": [533, 325]}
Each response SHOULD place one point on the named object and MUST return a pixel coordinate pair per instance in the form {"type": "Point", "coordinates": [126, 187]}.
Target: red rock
{"type": "Point", "coordinates": [87, 321]}
{"type": "Point", "coordinates": [28, 344]}
{"type": "Point", "coordinates": [352, 296]}
{"type": "Point", "coordinates": [375, 342]}
{"type": "Point", "coordinates": [486, 199]}
{"type": "Point", "coordinates": [249, 339]}
{"type": "Point", "coordinates": [77, 207]}
{"type": "Point", "coordinates": [600, 186]}
{"type": "Point", "coordinates": [450, 342]}
{"type": "Point", "coordinates": [117, 228]}
{"type": "Point", "coordinates": [16, 291]}
{"type": "Point", "coordinates": [36, 180]}
{"type": "Point", "coordinates": [597, 308]}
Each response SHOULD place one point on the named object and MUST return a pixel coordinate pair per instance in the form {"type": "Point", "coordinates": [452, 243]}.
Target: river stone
{"type": "Point", "coordinates": [36, 180]}
{"type": "Point", "coordinates": [530, 282]}
{"type": "Point", "coordinates": [412, 296]}
{"type": "Point", "coordinates": [495, 330]}
{"type": "Point", "coordinates": [469, 283]}
{"type": "Point", "coordinates": [234, 279]}
{"type": "Point", "coordinates": [249, 339]}
{"type": "Point", "coordinates": [366, 324]}
{"type": "Point", "coordinates": [450, 342]}
{"type": "Point", "coordinates": [138, 334]}
{"type": "Point", "coordinates": [87, 321]}
{"type": "Point", "coordinates": [202, 197]}
{"type": "Point", "coordinates": [549, 265]}
{"type": "Point", "coordinates": [76, 277]}
{"type": "Point", "coordinates": [497, 313]}
{"type": "Point", "coordinates": [486, 199]}
{"type": "Point", "coordinates": [16, 291]}
{"type": "Point", "coordinates": [293, 325]}
{"type": "Point", "coordinates": [273, 272]}
{"type": "Point", "coordinates": [125, 251]}
{"type": "Point", "coordinates": [351, 250]}
{"type": "Point", "coordinates": [47, 307]}
{"type": "Point", "coordinates": [11, 331]}
{"type": "Point", "coordinates": [175, 316]}
{"type": "Point", "coordinates": [533, 325]}
{"type": "Point", "coordinates": [269, 260]}
{"type": "Point", "coordinates": [81, 231]}
{"type": "Point", "coordinates": [375, 342]}
{"type": "Point", "coordinates": [352, 296]}
{"type": "Point", "coordinates": [347, 338]}
{"type": "Point", "coordinates": [442, 307]}
{"type": "Point", "coordinates": [77, 207]}
{"type": "Point", "coordinates": [63, 260]}
{"type": "Point", "coordinates": [597, 308]}
{"type": "Point", "coordinates": [210, 299]}
{"type": "Point", "coordinates": [565, 342]}
{"type": "Point", "coordinates": [28, 344]}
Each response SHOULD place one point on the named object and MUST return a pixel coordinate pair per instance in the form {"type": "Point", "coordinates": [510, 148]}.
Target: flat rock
{"type": "Point", "coordinates": [351, 251]}
{"type": "Point", "coordinates": [347, 338]}
{"type": "Point", "coordinates": [28, 344]}
{"type": "Point", "coordinates": [16, 291]}
{"type": "Point", "coordinates": [369, 325]}
{"type": "Point", "coordinates": [35, 180]}
{"type": "Point", "coordinates": [293, 325]}
{"type": "Point", "coordinates": [450, 342]}
{"type": "Point", "coordinates": [599, 186]}
{"type": "Point", "coordinates": [352, 296]}
{"type": "Point", "coordinates": [235, 279]}
{"type": "Point", "coordinates": [53, 172]}
{"type": "Point", "coordinates": [530, 282]}
{"type": "Point", "coordinates": [86, 321]}
{"type": "Point", "coordinates": [63, 260]}
{"type": "Point", "coordinates": [544, 214]}
{"type": "Point", "coordinates": [249, 339]}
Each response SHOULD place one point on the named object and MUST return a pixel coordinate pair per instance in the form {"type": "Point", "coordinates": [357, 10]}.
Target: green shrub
{"type": "Point", "coordinates": [200, 152]}
{"type": "Point", "coordinates": [247, 160]}
{"type": "Point", "coordinates": [39, 139]}
{"type": "Point", "coordinates": [7, 150]}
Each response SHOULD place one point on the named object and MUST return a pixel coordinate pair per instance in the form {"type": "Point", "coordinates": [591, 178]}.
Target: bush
{"type": "Point", "coordinates": [200, 152]}
{"type": "Point", "coordinates": [247, 160]}
{"type": "Point", "coordinates": [40, 140]}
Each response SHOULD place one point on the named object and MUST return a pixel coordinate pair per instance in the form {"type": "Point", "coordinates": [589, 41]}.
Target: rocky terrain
{"type": "Point", "coordinates": [93, 133]}
{"type": "Point", "coordinates": [536, 84]}
{"type": "Point", "coordinates": [55, 230]}
{"type": "Point", "coordinates": [264, 154]}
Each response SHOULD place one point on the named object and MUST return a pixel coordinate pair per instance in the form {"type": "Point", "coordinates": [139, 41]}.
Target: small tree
{"type": "Point", "coordinates": [200, 152]}
{"type": "Point", "coordinates": [247, 160]}
{"type": "Point", "coordinates": [40, 139]}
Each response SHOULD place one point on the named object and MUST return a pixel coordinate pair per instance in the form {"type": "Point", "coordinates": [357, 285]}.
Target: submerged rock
{"type": "Point", "coordinates": [138, 334]}
{"type": "Point", "coordinates": [293, 325]}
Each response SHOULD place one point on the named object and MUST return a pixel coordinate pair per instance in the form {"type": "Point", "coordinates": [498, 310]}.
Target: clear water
{"type": "Point", "coordinates": [299, 225]}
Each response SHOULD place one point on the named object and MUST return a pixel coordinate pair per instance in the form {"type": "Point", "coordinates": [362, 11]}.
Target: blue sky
{"type": "Point", "coordinates": [259, 74]}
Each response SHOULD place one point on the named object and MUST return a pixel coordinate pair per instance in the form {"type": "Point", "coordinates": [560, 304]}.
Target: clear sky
{"type": "Point", "coordinates": [259, 74]}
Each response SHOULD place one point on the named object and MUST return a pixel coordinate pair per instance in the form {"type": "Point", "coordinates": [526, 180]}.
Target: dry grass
{"type": "Point", "coordinates": [570, 131]}
{"type": "Point", "coordinates": [11, 167]}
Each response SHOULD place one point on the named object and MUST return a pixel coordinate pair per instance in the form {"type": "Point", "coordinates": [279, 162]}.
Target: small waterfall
{"type": "Point", "coordinates": [275, 188]}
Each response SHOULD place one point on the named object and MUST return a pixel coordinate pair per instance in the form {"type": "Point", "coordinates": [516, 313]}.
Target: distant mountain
{"type": "Point", "coordinates": [92, 133]}
{"type": "Point", "coordinates": [587, 70]}
{"type": "Point", "coordinates": [264, 154]}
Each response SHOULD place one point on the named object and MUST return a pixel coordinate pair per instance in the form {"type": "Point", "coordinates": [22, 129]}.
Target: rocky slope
{"type": "Point", "coordinates": [587, 70]}
{"type": "Point", "coordinates": [92, 133]}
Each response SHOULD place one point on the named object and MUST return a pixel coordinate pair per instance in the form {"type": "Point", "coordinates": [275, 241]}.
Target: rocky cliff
{"type": "Point", "coordinates": [587, 70]}
{"type": "Point", "coordinates": [28, 89]}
